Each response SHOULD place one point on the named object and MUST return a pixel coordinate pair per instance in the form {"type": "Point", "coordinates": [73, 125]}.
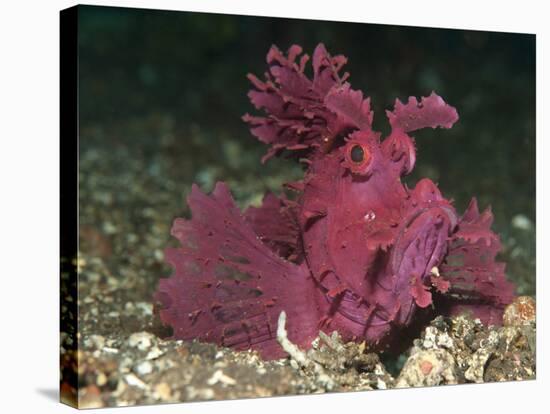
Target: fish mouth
{"type": "Point", "coordinates": [357, 309]}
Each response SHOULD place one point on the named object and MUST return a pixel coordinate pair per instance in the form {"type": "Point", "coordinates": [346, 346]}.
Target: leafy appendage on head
{"type": "Point", "coordinates": [351, 109]}
{"type": "Point", "coordinates": [430, 112]}
{"type": "Point", "coordinates": [304, 114]}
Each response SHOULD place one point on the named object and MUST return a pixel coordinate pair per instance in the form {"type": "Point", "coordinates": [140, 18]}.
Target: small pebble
{"type": "Point", "coordinates": [154, 353]}
{"type": "Point", "coordinates": [522, 311]}
{"type": "Point", "coordinates": [220, 377]}
{"type": "Point", "coordinates": [94, 341]}
{"type": "Point", "coordinates": [144, 368]}
{"type": "Point", "coordinates": [163, 391]}
{"type": "Point", "coordinates": [101, 379]}
{"type": "Point", "coordinates": [522, 222]}
{"type": "Point", "coordinates": [159, 255]}
{"type": "Point", "coordinates": [141, 340]}
{"type": "Point", "coordinates": [200, 393]}
{"type": "Point", "coordinates": [134, 381]}
{"type": "Point", "coordinates": [426, 367]}
{"type": "Point", "coordinates": [145, 308]}
{"type": "Point", "coordinates": [109, 228]}
{"type": "Point", "coordinates": [90, 398]}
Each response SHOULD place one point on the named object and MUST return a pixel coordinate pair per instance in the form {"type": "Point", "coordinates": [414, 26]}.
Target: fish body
{"type": "Point", "coordinates": [355, 251]}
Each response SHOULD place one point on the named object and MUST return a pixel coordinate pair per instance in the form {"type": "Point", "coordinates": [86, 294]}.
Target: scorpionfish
{"type": "Point", "coordinates": [354, 251]}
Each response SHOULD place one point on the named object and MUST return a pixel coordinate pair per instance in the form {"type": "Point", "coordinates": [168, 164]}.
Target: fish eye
{"type": "Point", "coordinates": [357, 154]}
{"type": "Point", "coordinates": [358, 157]}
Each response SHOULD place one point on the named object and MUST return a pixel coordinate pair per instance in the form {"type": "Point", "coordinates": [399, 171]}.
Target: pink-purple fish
{"type": "Point", "coordinates": [355, 251]}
